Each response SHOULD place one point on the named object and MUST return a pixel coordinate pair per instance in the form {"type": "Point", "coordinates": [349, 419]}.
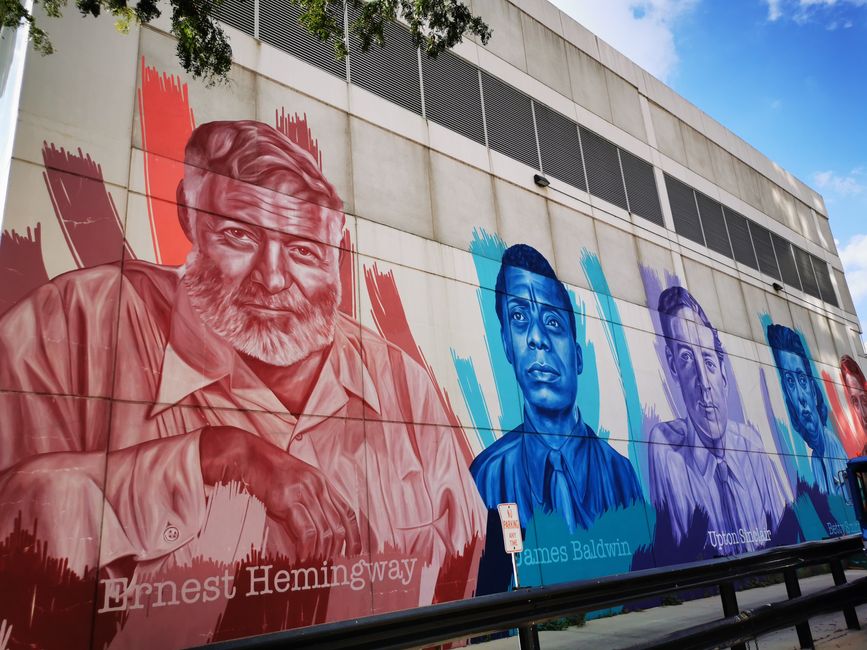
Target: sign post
{"type": "Point", "coordinates": [512, 540]}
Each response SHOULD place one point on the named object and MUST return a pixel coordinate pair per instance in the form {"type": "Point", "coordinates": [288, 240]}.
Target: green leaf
{"type": "Point", "coordinates": [204, 50]}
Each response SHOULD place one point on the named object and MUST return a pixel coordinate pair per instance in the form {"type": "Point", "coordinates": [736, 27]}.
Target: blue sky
{"type": "Point", "coordinates": [788, 76]}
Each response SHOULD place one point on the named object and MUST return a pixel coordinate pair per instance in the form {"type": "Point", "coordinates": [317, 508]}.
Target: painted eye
{"type": "Point", "coordinates": [518, 316]}
{"type": "Point", "coordinates": [305, 252]}
{"type": "Point", "coordinates": [239, 234]}
{"type": "Point", "coordinates": [553, 323]}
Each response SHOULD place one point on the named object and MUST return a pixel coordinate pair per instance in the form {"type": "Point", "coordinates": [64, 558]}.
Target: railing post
{"type": "Point", "coordinates": [840, 579]}
{"type": "Point", "coordinates": [528, 637]}
{"type": "Point", "coordinates": [730, 606]}
{"type": "Point", "coordinates": [793, 590]}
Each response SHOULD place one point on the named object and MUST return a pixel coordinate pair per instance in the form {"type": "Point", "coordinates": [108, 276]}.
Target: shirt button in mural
{"type": "Point", "coordinates": [171, 534]}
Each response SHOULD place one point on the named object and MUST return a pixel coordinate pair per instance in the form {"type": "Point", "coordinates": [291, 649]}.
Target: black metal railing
{"type": "Point", "coordinates": [524, 608]}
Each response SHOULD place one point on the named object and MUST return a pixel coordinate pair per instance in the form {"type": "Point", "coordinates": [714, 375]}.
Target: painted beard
{"type": "Point", "coordinates": [295, 330]}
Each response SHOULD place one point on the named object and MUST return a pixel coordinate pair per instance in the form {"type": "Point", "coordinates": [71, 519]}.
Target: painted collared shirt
{"type": "Point", "coordinates": [517, 468]}
{"type": "Point", "coordinates": [107, 379]}
{"type": "Point", "coordinates": [686, 477]}
{"type": "Point", "coordinates": [827, 467]}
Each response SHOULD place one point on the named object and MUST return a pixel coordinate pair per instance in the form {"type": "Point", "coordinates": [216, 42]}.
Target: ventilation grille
{"type": "Point", "coordinates": [764, 250]}
{"type": "Point", "coordinates": [237, 13]}
{"type": "Point", "coordinates": [713, 224]}
{"type": "Point", "coordinates": [279, 26]}
{"type": "Point", "coordinates": [603, 169]}
{"type": "Point", "coordinates": [509, 116]}
{"type": "Point", "coordinates": [786, 260]}
{"type": "Point", "coordinates": [641, 188]}
{"type": "Point", "coordinates": [452, 96]}
{"type": "Point", "coordinates": [805, 272]}
{"type": "Point", "coordinates": [683, 210]}
{"type": "Point", "coordinates": [823, 278]}
{"type": "Point", "coordinates": [742, 245]}
{"type": "Point", "coordinates": [391, 71]}
{"type": "Point", "coordinates": [560, 147]}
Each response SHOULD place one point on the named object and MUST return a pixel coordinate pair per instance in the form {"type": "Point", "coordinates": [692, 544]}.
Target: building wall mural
{"type": "Point", "coordinates": [230, 406]}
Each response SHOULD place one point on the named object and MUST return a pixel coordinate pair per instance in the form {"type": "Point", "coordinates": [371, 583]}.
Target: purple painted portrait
{"type": "Point", "coordinates": [706, 461]}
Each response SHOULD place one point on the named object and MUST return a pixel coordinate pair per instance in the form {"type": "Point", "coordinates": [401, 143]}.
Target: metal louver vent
{"type": "Point", "coordinates": [683, 210]}
{"type": "Point", "coordinates": [823, 278]}
{"type": "Point", "coordinates": [786, 260]}
{"type": "Point", "coordinates": [742, 245]}
{"type": "Point", "coordinates": [805, 271]}
{"type": "Point", "coordinates": [603, 168]}
{"type": "Point", "coordinates": [713, 225]}
{"type": "Point", "coordinates": [237, 13]}
{"type": "Point", "coordinates": [641, 188]}
{"type": "Point", "coordinates": [509, 117]}
{"type": "Point", "coordinates": [559, 146]}
{"type": "Point", "coordinates": [764, 250]}
{"type": "Point", "coordinates": [279, 26]}
{"type": "Point", "coordinates": [391, 71]}
{"type": "Point", "coordinates": [452, 96]}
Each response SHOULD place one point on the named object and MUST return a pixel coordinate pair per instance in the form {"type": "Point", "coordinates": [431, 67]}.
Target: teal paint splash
{"type": "Point", "coordinates": [808, 518]}
{"type": "Point", "coordinates": [793, 446]}
{"type": "Point", "coordinates": [474, 398]}
{"type": "Point", "coordinates": [843, 513]}
{"type": "Point", "coordinates": [615, 334]}
{"type": "Point", "coordinates": [487, 251]}
{"type": "Point", "coordinates": [588, 381]}
{"type": "Point", "coordinates": [553, 555]}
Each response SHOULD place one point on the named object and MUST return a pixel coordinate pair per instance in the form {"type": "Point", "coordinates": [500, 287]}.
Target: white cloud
{"type": "Point", "coordinates": [775, 11]}
{"type": "Point", "coordinates": [803, 11]}
{"type": "Point", "coordinates": [642, 29]}
{"type": "Point", "coordinates": [841, 185]}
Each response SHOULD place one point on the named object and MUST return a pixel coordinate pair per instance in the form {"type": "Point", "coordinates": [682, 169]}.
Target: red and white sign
{"type": "Point", "coordinates": [511, 527]}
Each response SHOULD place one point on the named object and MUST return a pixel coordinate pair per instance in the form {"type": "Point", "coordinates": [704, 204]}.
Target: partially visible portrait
{"type": "Point", "coordinates": [807, 408]}
{"type": "Point", "coordinates": [855, 386]}
{"type": "Point", "coordinates": [552, 461]}
{"type": "Point", "coordinates": [704, 461]}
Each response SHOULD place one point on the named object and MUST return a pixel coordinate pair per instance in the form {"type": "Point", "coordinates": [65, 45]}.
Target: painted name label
{"type": "Point", "coordinates": [594, 549]}
{"type": "Point", "coordinates": [120, 594]}
{"type": "Point", "coordinates": [720, 539]}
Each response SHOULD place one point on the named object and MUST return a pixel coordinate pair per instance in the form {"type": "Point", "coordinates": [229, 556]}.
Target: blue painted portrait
{"type": "Point", "coordinates": [808, 411]}
{"type": "Point", "coordinates": [552, 461]}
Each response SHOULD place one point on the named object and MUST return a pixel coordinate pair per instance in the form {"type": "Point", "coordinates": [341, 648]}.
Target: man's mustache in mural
{"type": "Point", "coordinates": [277, 328]}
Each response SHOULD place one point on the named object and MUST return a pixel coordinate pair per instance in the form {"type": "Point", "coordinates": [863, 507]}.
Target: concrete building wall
{"type": "Point", "coordinates": [374, 376]}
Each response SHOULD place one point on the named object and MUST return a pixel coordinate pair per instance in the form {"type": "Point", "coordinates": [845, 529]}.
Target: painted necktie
{"type": "Point", "coordinates": [728, 501]}
{"type": "Point", "coordinates": [560, 489]}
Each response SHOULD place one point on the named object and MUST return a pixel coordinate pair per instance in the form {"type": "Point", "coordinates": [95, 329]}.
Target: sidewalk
{"type": "Point", "coordinates": [615, 632]}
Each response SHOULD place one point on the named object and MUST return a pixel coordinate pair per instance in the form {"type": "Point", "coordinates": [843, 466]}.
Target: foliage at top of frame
{"type": "Point", "coordinates": [204, 50]}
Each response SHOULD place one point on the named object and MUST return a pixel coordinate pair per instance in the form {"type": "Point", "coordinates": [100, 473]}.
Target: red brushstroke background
{"type": "Point", "coordinates": [166, 124]}
{"type": "Point", "coordinates": [848, 426]}
{"type": "Point", "coordinates": [51, 606]}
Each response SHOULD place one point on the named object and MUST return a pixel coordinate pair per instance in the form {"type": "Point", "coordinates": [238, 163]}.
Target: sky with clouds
{"type": "Point", "coordinates": [788, 76]}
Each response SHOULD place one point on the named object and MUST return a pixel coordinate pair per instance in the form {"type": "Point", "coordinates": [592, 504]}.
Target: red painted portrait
{"type": "Point", "coordinates": [855, 387]}
{"type": "Point", "coordinates": [218, 446]}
